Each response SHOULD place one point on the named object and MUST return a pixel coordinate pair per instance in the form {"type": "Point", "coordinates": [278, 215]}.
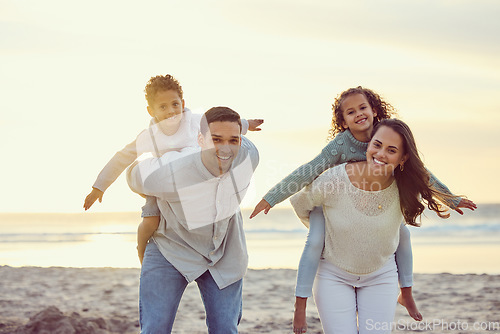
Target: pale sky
{"type": "Point", "coordinates": [72, 77]}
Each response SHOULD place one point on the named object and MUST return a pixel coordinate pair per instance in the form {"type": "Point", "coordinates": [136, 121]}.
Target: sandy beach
{"type": "Point", "coordinates": [104, 300]}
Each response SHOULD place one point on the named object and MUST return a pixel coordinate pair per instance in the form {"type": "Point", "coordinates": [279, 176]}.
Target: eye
{"type": "Point", "coordinates": [234, 141]}
{"type": "Point", "coordinates": [392, 151]}
{"type": "Point", "coordinates": [376, 144]}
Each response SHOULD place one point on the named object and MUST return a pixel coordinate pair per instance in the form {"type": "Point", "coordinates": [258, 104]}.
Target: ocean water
{"type": "Point", "coordinates": [460, 244]}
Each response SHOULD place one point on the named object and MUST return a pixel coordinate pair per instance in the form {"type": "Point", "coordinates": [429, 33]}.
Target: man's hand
{"type": "Point", "coordinates": [253, 124]}
{"type": "Point", "coordinates": [262, 205]}
{"type": "Point", "coordinates": [467, 204]}
{"type": "Point", "coordinates": [94, 195]}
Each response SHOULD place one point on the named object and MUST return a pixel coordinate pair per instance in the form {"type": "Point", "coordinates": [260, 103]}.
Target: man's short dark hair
{"type": "Point", "coordinates": [219, 114]}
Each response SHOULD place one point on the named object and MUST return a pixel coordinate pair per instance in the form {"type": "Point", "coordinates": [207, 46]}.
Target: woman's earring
{"type": "Point", "coordinates": [401, 167]}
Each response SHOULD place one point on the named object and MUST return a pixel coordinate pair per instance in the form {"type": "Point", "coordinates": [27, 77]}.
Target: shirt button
{"type": "Point", "coordinates": [212, 253]}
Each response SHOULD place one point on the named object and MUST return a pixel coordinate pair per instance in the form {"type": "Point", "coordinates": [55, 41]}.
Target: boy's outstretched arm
{"type": "Point", "coordinates": [253, 124]}
{"type": "Point", "coordinates": [94, 195]}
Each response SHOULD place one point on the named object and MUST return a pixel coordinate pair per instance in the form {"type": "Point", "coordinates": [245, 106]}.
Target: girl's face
{"type": "Point", "coordinates": [385, 151]}
{"type": "Point", "coordinates": [358, 114]}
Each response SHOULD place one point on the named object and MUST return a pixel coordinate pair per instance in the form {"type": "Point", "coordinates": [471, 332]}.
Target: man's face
{"type": "Point", "coordinates": [219, 146]}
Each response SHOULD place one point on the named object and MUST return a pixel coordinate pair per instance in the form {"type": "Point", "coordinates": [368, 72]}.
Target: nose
{"type": "Point", "coordinates": [223, 148]}
{"type": "Point", "coordinates": [380, 155]}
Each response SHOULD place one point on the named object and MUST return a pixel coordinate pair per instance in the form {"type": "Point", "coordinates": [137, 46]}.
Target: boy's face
{"type": "Point", "coordinates": [220, 145]}
{"type": "Point", "coordinates": [167, 110]}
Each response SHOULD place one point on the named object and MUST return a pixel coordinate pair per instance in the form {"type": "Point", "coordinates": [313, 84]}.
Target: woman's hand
{"type": "Point", "coordinates": [262, 205]}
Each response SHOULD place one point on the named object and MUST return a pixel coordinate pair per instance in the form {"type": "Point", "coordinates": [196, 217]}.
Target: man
{"type": "Point", "coordinates": [200, 237]}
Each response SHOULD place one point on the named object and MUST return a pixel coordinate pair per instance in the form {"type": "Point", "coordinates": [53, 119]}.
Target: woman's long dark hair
{"type": "Point", "coordinates": [413, 181]}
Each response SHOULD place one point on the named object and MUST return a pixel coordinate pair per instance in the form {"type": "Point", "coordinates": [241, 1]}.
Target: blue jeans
{"type": "Point", "coordinates": [161, 289]}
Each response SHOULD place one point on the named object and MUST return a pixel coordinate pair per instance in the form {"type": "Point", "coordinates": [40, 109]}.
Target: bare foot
{"type": "Point", "coordinates": [406, 299]}
{"type": "Point", "coordinates": [299, 316]}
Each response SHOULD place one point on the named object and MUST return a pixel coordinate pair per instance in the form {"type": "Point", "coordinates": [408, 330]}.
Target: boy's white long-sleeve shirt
{"type": "Point", "coordinates": [153, 140]}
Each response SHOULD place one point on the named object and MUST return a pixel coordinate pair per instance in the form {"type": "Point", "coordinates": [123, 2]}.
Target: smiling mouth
{"type": "Point", "coordinates": [223, 157]}
{"type": "Point", "coordinates": [378, 162]}
{"type": "Point", "coordinates": [361, 121]}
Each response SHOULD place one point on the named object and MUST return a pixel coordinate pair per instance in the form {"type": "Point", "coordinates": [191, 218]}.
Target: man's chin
{"type": "Point", "coordinates": [225, 165]}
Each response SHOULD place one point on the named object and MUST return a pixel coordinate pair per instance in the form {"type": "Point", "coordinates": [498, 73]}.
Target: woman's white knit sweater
{"type": "Point", "coordinates": [362, 227]}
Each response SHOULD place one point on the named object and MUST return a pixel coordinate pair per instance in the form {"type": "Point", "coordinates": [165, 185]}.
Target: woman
{"type": "Point", "coordinates": [363, 202]}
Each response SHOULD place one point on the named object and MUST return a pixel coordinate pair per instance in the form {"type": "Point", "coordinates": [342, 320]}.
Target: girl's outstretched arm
{"type": "Point", "coordinates": [456, 202]}
{"type": "Point", "coordinates": [343, 148]}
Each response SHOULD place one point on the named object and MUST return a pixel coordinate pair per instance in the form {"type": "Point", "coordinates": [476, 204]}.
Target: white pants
{"type": "Point", "coordinates": [339, 294]}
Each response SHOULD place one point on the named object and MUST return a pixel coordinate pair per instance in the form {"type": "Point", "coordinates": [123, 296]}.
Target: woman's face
{"type": "Point", "coordinates": [385, 151]}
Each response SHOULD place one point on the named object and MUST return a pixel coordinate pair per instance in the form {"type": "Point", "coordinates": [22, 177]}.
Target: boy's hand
{"type": "Point", "coordinates": [253, 124]}
{"type": "Point", "coordinates": [94, 195]}
{"type": "Point", "coordinates": [262, 205]}
{"type": "Point", "coordinates": [467, 204]}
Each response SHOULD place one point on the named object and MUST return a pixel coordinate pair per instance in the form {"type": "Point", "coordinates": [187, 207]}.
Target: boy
{"type": "Point", "coordinates": [172, 128]}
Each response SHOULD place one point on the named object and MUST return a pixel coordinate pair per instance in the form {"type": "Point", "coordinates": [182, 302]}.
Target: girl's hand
{"type": "Point", "coordinates": [467, 204]}
{"type": "Point", "coordinates": [94, 195]}
{"type": "Point", "coordinates": [262, 205]}
{"type": "Point", "coordinates": [253, 124]}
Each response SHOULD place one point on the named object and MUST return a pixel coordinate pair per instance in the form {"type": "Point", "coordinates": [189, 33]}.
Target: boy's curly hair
{"type": "Point", "coordinates": [383, 109]}
{"type": "Point", "coordinates": [161, 83]}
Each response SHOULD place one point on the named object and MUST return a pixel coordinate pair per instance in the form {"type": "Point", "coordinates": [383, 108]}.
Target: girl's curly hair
{"type": "Point", "coordinates": [161, 83]}
{"type": "Point", "coordinates": [383, 109]}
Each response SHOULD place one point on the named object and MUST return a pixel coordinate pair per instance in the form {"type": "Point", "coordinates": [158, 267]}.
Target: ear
{"type": "Point", "coordinates": [201, 140]}
{"type": "Point", "coordinates": [405, 159]}
{"type": "Point", "coordinates": [150, 112]}
{"type": "Point", "coordinates": [183, 105]}
{"type": "Point", "coordinates": [344, 124]}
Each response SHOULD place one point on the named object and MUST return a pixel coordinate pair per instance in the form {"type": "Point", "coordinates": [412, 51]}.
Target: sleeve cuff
{"type": "Point", "coordinates": [244, 126]}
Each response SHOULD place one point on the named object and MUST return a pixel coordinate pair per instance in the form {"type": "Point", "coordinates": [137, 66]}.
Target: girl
{"type": "Point", "coordinates": [355, 112]}
{"type": "Point", "coordinates": [364, 202]}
